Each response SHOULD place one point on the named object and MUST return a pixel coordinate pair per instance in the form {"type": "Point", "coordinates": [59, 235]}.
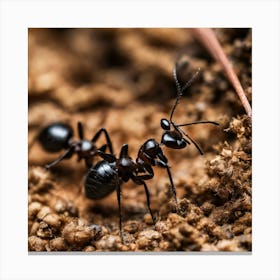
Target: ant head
{"type": "Point", "coordinates": [165, 124]}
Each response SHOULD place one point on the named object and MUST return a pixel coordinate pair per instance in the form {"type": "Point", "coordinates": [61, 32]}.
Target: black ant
{"type": "Point", "coordinates": [58, 136]}
{"type": "Point", "coordinates": [174, 138]}
{"type": "Point", "coordinates": [108, 174]}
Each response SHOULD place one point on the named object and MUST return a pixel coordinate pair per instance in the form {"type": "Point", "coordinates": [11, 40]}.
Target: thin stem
{"type": "Point", "coordinates": [208, 38]}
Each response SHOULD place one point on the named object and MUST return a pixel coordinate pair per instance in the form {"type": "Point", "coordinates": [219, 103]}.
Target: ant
{"type": "Point", "coordinates": [58, 136]}
{"type": "Point", "coordinates": [108, 174]}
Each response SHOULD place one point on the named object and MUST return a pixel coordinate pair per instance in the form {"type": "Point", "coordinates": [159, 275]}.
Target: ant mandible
{"type": "Point", "coordinates": [58, 136]}
{"type": "Point", "coordinates": [173, 135]}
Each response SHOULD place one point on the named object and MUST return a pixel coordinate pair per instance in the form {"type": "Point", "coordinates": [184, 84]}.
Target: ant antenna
{"type": "Point", "coordinates": [196, 145]}
{"type": "Point", "coordinates": [180, 90]}
{"type": "Point", "coordinates": [198, 122]}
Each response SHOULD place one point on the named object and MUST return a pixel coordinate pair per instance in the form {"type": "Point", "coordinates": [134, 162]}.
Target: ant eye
{"type": "Point", "coordinates": [165, 124]}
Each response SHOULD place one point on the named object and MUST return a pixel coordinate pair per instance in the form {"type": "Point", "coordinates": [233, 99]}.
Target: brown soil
{"type": "Point", "coordinates": [121, 79]}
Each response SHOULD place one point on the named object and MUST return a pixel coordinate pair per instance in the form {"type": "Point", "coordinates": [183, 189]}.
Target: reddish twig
{"type": "Point", "coordinates": [208, 38]}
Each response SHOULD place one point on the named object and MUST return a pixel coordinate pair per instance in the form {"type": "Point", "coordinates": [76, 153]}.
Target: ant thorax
{"type": "Point", "coordinates": [126, 166]}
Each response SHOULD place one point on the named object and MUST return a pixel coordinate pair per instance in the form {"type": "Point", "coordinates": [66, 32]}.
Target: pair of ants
{"type": "Point", "coordinates": [108, 174]}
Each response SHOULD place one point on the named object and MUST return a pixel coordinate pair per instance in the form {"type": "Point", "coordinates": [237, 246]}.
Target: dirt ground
{"type": "Point", "coordinates": [121, 79]}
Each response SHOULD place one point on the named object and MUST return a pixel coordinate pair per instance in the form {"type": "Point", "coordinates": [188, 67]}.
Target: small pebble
{"type": "Point", "coordinates": [33, 209]}
{"type": "Point", "coordinates": [89, 249]}
{"type": "Point", "coordinates": [34, 228]}
{"type": "Point", "coordinates": [44, 231]}
{"type": "Point", "coordinates": [36, 244]}
{"type": "Point", "coordinates": [150, 234]}
{"type": "Point", "coordinates": [52, 220]}
{"type": "Point", "coordinates": [76, 233]}
{"type": "Point", "coordinates": [43, 212]}
{"type": "Point", "coordinates": [148, 219]}
{"type": "Point", "coordinates": [131, 227]}
{"type": "Point", "coordinates": [58, 244]}
{"type": "Point", "coordinates": [108, 243]}
{"type": "Point", "coordinates": [161, 226]}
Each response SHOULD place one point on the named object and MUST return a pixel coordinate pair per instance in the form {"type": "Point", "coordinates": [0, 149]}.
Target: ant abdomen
{"type": "Point", "coordinates": [101, 180]}
{"type": "Point", "coordinates": [55, 137]}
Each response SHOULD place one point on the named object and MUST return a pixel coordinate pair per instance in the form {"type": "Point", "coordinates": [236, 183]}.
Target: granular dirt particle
{"type": "Point", "coordinates": [131, 227]}
{"type": "Point", "coordinates": [77, 233]}
{"type": "Point", "coordinates": [44, 231]}
{"type": "Point", "coordinates": [44, 211]}
{"type": "Point", "coordinates": [36, 244]}
{"type": "Point", "coordinates": [58, 244]}
{"type": "Point", "coordinates": [33, 209]}
{"type": "Point", "coordinates": [53, 220]}
{"type": "Point", "coordinates": [108, 243]}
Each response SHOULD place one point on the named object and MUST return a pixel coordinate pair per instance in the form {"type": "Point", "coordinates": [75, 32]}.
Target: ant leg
{"type": "Point", "coordinates": [148, 201]}
{"type": "Point", "coordinates": [67, 154]}
{"type": "Point", "coordinates": [140, 181]}
{"type": "Point", "coordinates": [196, 145]}
{"type": "Point", "coordinates": [162, 157]}
{"type": "Point", "coordinates": [80, 131]}
{"type": "Point", "coordinates": [172, 184]}
{"type": "Point", "coordinates": [103, 148]}
{"type": "Point", "coordinates": [108, 157]}
{"type": "Point", "coordinates": [146, 168]}
{"type": "Point", "coordinates": [108, 139]}
{"type": "Point", "coordinates": [124, 151]}
{"type": "Point", "coordinates": [145, 177]}
{"type": "Point", "coordinates": [163, 164]}
{"type": "Point", "coordinates": [101, 151]}
{"type": "Point", "coordinates": [119, 194]}
{"type": "Point", "coordinates": [88, 162]}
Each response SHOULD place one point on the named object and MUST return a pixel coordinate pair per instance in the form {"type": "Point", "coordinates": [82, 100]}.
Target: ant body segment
{"type": "Point", "coordinates": [58, 136]}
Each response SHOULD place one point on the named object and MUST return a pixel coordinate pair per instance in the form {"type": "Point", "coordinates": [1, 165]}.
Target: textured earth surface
{"type": "Point", "coordinates": [121, 79]}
